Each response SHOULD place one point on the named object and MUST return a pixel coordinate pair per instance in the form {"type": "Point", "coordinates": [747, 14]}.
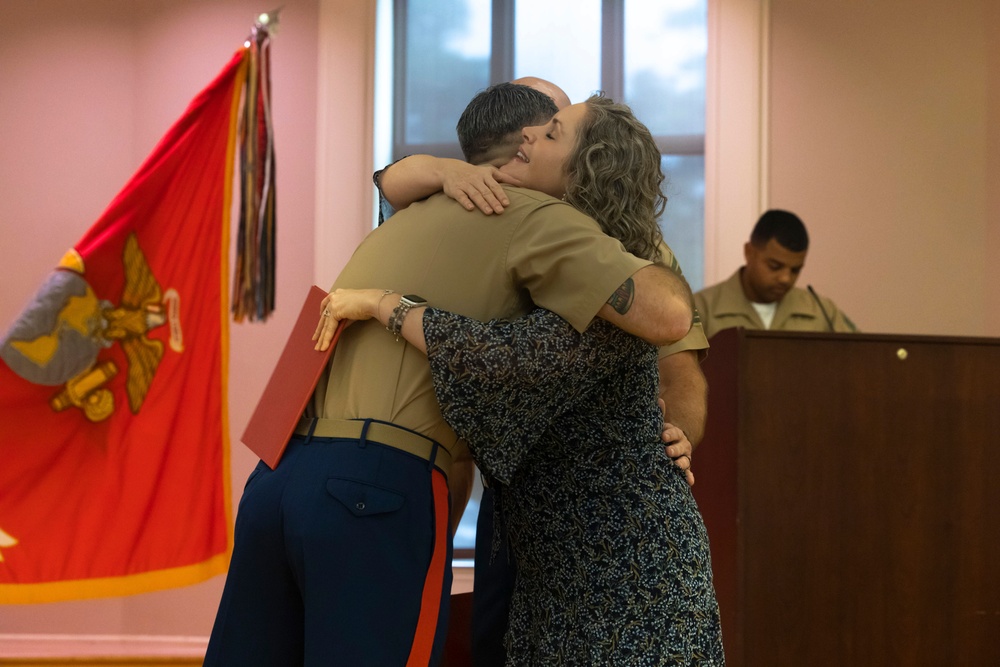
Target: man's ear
{"type": "Point", "coordinates": [748, 251]}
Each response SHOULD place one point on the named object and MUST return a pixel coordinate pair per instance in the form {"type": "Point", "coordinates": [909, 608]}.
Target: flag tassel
{"type": "Point", "coordinates": [254, 273]}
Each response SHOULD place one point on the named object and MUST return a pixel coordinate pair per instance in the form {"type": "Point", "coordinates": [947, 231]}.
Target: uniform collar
{"type": "Point", "coordinates": [732, 301]}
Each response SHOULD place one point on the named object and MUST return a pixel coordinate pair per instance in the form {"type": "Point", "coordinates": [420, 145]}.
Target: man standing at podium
{"type": "Point", "coordinates": [762, 293]}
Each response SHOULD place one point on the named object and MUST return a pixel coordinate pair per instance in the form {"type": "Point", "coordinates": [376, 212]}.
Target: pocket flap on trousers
{"type": "Point", "coordinates": [364, 499]}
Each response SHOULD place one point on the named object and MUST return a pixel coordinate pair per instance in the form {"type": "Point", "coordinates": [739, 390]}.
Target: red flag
{"type": "Point", "coordinates": [114, 443]}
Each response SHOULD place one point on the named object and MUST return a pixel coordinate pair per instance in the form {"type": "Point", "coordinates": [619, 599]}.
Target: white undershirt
{"type": "Point", "coordinates": [766, 312]}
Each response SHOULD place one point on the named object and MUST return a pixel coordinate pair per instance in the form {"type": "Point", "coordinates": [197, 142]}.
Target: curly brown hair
{"type": "Point", "coordinates": [614, 176]}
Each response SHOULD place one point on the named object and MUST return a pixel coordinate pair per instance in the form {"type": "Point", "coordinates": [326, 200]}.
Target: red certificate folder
{"type": "Point", "coordinates": [292, 383]}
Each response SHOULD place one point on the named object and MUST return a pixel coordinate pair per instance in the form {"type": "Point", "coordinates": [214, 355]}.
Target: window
{"type": "Point", "coordinates": [647, 53]}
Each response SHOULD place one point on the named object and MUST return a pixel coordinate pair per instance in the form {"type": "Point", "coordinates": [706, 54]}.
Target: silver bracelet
{"type": "Point", "coordinates": [378, 306]}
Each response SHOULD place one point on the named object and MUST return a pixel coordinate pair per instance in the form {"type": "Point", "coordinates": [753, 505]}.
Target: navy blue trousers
{"type": "Point", "coordinates": [331, 559]}
{"type": "Point", "coordinates": [493, 587]}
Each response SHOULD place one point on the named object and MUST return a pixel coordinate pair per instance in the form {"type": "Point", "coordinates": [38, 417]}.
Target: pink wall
{"type": "Point", "coordinates": [882, 135]}
{"type": "Point", "coordinates": [344, 207]}
{"type": "Point", "coordinates": [876, 121]}
{"type": "Point", "coordinates": [86, 90]}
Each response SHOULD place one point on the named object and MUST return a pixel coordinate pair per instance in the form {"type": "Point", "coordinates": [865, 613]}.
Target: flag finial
{"type": "Point", "coordinates": [268, 21]}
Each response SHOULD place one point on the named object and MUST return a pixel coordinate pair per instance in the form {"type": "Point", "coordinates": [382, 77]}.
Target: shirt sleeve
{"type": "Point", "coordinates": [385, 209]}
{"type": "Point", "coordinates": [567, 264]}
{"type": "Point", "coordinates": [695, 338]}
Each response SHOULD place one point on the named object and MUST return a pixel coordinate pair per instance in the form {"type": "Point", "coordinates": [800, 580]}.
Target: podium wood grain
{"type": "Point", "coordinates": [851, 489]}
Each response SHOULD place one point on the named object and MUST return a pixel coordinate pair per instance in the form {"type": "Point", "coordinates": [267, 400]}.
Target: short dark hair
{"type": "Point", "coordinates": [494, 118]}
{"type": "Point", "coordinates": [784, 227]}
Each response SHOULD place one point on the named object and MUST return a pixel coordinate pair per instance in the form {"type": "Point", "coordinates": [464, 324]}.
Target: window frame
{"type": "Point", "coordinates": [502, 69]}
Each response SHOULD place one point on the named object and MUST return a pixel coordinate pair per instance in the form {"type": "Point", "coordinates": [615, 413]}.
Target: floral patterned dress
{"type": "Point", "coordinates": [612, 554]}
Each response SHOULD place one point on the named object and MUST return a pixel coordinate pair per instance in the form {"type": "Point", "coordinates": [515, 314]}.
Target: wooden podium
{"type": "Point", "coordinates": [851, 488]}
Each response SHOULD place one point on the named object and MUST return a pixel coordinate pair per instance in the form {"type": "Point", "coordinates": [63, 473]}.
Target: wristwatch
{"type": "Point", "coordinates": [407, 301]}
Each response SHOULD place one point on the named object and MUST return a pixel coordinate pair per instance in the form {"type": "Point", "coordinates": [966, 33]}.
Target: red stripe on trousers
{"type": "Point", "coordinates": [430, 602]}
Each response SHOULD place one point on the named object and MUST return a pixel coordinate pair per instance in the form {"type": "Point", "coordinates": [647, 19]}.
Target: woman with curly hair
{"type": "Point", "coordinates": [614, 176]}
{"type": "Point", "coordinates": [613, 564]}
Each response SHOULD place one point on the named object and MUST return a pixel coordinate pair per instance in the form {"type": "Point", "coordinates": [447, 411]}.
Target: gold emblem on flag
{"type": "Point", "coordinates": [79, 326]}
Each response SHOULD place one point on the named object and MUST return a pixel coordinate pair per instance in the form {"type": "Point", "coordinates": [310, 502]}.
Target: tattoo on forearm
{"type": "Point", "coordinates": [623, 297]}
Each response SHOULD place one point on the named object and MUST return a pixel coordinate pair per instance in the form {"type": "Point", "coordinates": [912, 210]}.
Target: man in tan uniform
{"type": "Point", "coordinates": [762, 294]}
{"type": "Point", "coordinates": [342, 554]}
{"type": "Point", "coordinates": [682, 383]}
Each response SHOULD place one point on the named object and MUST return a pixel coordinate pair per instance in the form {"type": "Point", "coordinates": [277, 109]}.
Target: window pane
{"type": "Point", "coordinates": [447, 62]}
{"type": "Point", "coordinates": [683, 221]}
{"type": "Point", "coordinates": [560, 40]}
{"type": "Point", "coordinates": [666, 43]}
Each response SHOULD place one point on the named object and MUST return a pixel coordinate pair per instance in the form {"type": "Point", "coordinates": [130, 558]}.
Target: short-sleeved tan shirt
{"type": "Point", "coordinates": [695, 340]}
{"type": "Point", "coordinates": [539, 250]}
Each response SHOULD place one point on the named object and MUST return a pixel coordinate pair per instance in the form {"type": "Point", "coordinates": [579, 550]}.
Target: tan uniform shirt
{"type": "Point", "coordinates": [695, 338]}
{"type": "Point", "coordinates": [540, 250]}
{"type": "Point", "coordinates": [724, 306]}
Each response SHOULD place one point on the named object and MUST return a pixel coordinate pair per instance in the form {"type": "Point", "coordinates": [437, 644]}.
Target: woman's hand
{"type": "Point", "coordinates": [476, 186]}
{"type": "Point", "coordinates": [344, 304]}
